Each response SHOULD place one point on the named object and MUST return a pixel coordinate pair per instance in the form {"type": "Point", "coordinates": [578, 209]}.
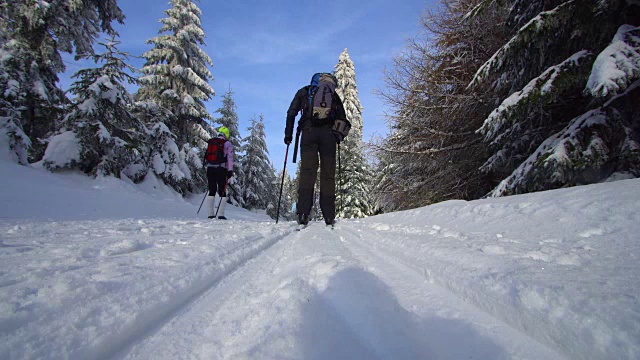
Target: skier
{"type": "Point", "coordinates": [219, 163]}
{"type": "Point", "coordinates": [322, 124]}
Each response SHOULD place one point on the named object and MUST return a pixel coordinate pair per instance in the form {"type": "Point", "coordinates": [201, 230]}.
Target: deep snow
{"type": "Point", "coordinates": [107, 269]}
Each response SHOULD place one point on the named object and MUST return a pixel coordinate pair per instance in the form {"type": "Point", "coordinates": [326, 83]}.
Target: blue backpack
{"type": "Point", "coordinates": [321, 90]}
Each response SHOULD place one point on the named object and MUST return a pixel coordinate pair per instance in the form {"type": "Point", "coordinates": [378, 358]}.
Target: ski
{"type": "Point", "coordinates": [332, 226]}
{"type": "Point", "coordinates": [304, 226]}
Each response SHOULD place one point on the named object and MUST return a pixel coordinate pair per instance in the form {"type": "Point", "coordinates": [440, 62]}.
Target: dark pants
{"type": "Point", "coordinates": [317, 141]}
{"type": "Point", "coordinates": [217, 177]}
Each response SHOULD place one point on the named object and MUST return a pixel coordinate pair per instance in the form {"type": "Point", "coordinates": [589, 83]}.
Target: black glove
{"type": "Point", "coordinates": [229, 174]}
{"type": "Point", "coordinates": [338, 136]}
{"type": "Point", "coordinates": [287, 139]}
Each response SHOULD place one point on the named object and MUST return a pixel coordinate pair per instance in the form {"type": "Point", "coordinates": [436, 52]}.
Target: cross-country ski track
{"type": "Point", "coordinates": [326, 285]}
{"type": "Point", "coordinates": [106, 269]}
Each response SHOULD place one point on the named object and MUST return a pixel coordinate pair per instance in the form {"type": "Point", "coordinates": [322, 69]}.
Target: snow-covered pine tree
{"type": "Point", "coordinates": [382, 196]}
{"type": "Point", "coordinates": [271, 196]}
{"type": "Point", "coordinates": [14, 143]}
{"type": "Point", "coordinates": [100, 135]}
{"type": "Point", "coordinates": [176, 76]}
{"type": "Point", "coordinates": [168, 161]}
{"type": "Point", "coordinates": [163, 157]}
{"type": "Point", "coordinates": [563, 116]}
{"type": "Point", "coordinates": [29, 97]}
{"type": "Point", "coordinates": [32, 35]}
{"type": "Point", "coordinates": [193, 153]}
{"type": "Point", "coordinates": [292, 191]}
{"type": "Point", "coordinates": [354, 175]}
{"type": "Point", "coordinates": [288, 196]}
{"type": "Point", "coordinates": [229, 118]}
{"type": "Point", "coordinates": [258, 180]}
{"type": "Point", "coordinates": [347, 89]}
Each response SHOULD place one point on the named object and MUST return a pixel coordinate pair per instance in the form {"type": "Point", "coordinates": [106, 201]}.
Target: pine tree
{"type": "Point", "coordinates": [12, 135]}
{"type": "Point", "coordinates": [229, 118]}
{"type": "Point", "coordinates": [11, 76]}
{"type": "Point", "coordinates": [354, 174]}
{"type": "Point", "coordinates": [32, 35]}
{"type": "Point", "coordinates": [288, 196]}
{"type": "Point", "coordinates": [176, 75]}
{"type": "Point", "coordinates": [168, 161]}
{"type": "Point", "coordinates": [258, 181]}
{"type": "Point", "coordinates": [104, 135]}
{"type": "Point", "coordinates": [194, 153]}
{"type": "Point", "coordinates": [163, 156]}
{"type": "Point", "coordinates": [562, 118]}
{"type": "Point", "coordinates": [271, 194]}
{"type": "Point", "coordinates": [433, 152]}
{"type": "Point", "coordinates": [292, 191]}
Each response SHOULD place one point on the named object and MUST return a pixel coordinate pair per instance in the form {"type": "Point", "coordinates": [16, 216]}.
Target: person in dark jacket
{"type": "Point", "coordinates": [317, 147]}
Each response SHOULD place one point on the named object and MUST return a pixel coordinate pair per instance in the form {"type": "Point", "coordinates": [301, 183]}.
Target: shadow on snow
{"type": "Point", "coordinates": [358, 317]}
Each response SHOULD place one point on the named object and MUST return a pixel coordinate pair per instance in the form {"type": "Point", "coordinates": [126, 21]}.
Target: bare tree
{"type": "Point", "coordinates": [433, 152]}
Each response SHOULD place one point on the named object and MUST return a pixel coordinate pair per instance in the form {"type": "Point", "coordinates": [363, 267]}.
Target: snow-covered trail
{"type": "Point", "coordinates": [87, 289]}
{"type": "Point", "coordinates": [452, 327]}
{"type": "Point", "coordinates": [103, 269]}
{"type": "Point", "coordinates": [321, 293]}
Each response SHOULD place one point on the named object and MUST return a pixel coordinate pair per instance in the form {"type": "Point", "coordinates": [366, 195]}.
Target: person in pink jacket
{"type": "Point", "coordinates": [219, 163]}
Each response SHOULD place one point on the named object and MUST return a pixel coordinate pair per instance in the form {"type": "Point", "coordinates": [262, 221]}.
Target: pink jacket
{"type": "Point", "coordinates": [228, 152]}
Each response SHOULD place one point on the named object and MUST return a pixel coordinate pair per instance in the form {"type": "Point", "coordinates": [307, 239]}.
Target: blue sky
{"type": "Point", "coordinates": [267, 50]}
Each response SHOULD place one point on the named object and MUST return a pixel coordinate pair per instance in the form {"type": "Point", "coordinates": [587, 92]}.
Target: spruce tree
{"type": "Point", "coordinates": [565, 82]}
{"type": "Point", "coordinates": [271, 193]}
{"type": "Point", "coordinates": [163, 156]}
{"type": "Point", "coordinates": [32, 35]}
{"type": "Point", "coordinates": [354, 174]}
{"type": "Point", "coordinates": [176, 77]}
{"type": "Point", "coordinates": [168, 161]}
{"type": "Point", "coordinates": [229, 118]}
{"type": "Point", "coordinates": [106, 136]}
{"type": "Point", "coordinates": [14, 142]}
{"type": "Point", "coordinates": [292, 191]}
{"type": "Point", "coordinates": [258, 180]}
{"type": "Point", "coordinates": [288, 197]}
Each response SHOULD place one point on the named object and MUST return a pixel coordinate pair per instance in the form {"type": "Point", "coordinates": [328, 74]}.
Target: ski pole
{"type": "Point", "coordinates": [295, 146]}
{"type": "Point", "coordinates": [286, 154]}
{"type": "Point", "coordinates": [224, 190]}
{"type": "Point", "coordinates": [205, 196]}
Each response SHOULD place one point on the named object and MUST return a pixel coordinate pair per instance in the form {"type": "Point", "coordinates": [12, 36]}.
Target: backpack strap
{"type": "Point", "coordinates": [313, 86]}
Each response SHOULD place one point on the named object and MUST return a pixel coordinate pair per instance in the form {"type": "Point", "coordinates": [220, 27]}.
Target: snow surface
{"type": "Point", "coordinates": [95, 269]}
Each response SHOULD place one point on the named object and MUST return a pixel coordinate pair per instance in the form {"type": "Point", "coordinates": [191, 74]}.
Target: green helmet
{"type": "Point", "coordinates": [224, 130]}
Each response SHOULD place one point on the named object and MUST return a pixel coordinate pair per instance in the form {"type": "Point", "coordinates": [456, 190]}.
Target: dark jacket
{"type": "Point", "coordinates": [300, 102]}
